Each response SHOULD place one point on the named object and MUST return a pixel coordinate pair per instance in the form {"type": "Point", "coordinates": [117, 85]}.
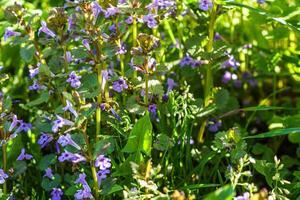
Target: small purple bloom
{"type": "Point", "coordinates": [65, 140]}
{"type": "Point", "coordinates": [9, 33]}
{"type": "Point", "coordinates": [23, 127]}
{"type": "Point", "coordinates": [187, 60]}
{"type": "Point", "coordinates": [68, 156]}
{"type": "Point", "coordinates": [36, 86]}
{"type": "Point", "coordinates": [152, 64]}
{"type": "Point", "coordinates": [122, 49]}
{"type": "Point", "coordinates": [120, 85]}
{"type": "Point", "coordinates": [150, 20]}
{"type": "Point", "coordinates": [45, 139]}
{"type": "Point", "coordinates": [48, 173]}
{"type": "Point", "coordinates": [68, 56]}
{"type": "Point", "coordinates": [81, 179]}
{"type": "Point", "coordinates": [56, 194]}
{"type": "Point", "coordinates": [122, 1]}
{"type": "Point", "coordinates": [214, 125]}
{"type": "Point", "coordinates": [86, 44]}
{"type": "Point", "coordinates": [237, 83]}
{"type": "Point", "coordinates": [226, 77]}
{"type": "Point", "coordinates": [24, 156]}
{"type": "Point", "coordinates": [152, 108]}
{"type": "Point", "coordinates": [3, 176]}
{"type": "Point", "coordinates": [129, 20]}
{"type": "Point", "coordinates": [231, 62]}
{"type": "Point", "coordinates": [161, 4]}
{"type": "Point", "coordinates": [96, 9]}
{"type": "Point", "coordinates": [115, 114]}
{"type": "Point", "coordinates": [217, 36]}
{"type": "Point", "coordinates": [261, 1]}
{"type": "Point", "coordinates": [13, 123]}
{"type": "Point", "coordinates": [70, 108]}
{"type": "Point", "coordinates": [102, 106]}
{"type": "Point", "coordinates": [102, 162]}
{"type": "Point", "coordinates": [33, 72]}
{"type": "Point", "coordinates": [46, 30]}
{"type": "Point", "coordinates": [101, 175]}
{"type": "Point", "coordinates": [171, 84]}
{"type": "Point", "coordinates": [111, 11]}
{"type": "Point", "coordinates": [205, 5]}
{"type": "Point", "coordinates": [70, 23]}
{"type": "Point", "coordinates": [86, 191]}
{"type": "Point", "coordinates": [60, 122]}
{"type": "Point", "coordinates": [245, 196]}
{"type": "Point", "coordinates": [74, 80]}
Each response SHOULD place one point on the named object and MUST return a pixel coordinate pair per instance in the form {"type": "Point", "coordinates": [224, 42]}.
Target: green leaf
{"type": "Point", "coordinates": [200, 185]}
{"type": "Point", "coordinates": [140, 138]}
{"type": "Point", "coordinates": [223, 193]}
{"type": "Point", "coordinates": [280, 20]}
{"type": "Point", "coordinates": [46, 161]}
{"type": "Point", "coordinates": [274, 133]}
{"type": "Point", "coordinates": [221, 98]}
{"type": "Point", "coordinates": [163, 142]}
{"type": "Point", "coordinates": [104, 146]}
{"type": "Point", "coordinates": [90, 87]}
{"type": "Point", "coordinates": [48, 184]}
{"type": "Point", "coordinates": [42, 99]}
{"type": "Point", "coordinates": [27, 53]}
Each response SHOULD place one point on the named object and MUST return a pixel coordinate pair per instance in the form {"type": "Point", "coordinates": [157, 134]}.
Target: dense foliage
{"type": "Point", "coordinates": [162, 99]}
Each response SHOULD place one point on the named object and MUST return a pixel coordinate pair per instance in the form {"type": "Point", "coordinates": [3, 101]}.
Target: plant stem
{"type": "Point", "coordinates": [134, 38]}
{"type": "Point", "coordinates": [208, 76]}
{"type": "Point", "coordinates": [4, 159]}
{"type": "Point", "coordinates": [99, 101]}
{"type": "Point", "coordinates": [90, 155]}
{"type": "Point", "coordinates": [146, 81]}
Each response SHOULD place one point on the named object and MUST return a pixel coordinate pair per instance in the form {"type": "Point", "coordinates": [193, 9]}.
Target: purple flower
{"type": "Point", "coordinates": [246, 196]}
{"type": "Point", "coordinates": [129, 20]}
{"type": "Point", "coordinates": [120, 85]}
{"type": "Point", "coordinates": [237, 83]}
{"type": "Point", "coordinates": [226, 77]}
{"type": "Point", "coordinates": [214, 125]}
{"type": "Point", "coordinates": [33, 72]}
{"type": "Point", "coordinates": [68, 56]}
{"type": "Point", "coordinates": [261, 1]}
{"type": "Point", "coordinates": [217, 36]}
{"type": "Point", "coordinates": [152, 108]}
{"type": "Point", "coordinates": [45, 139]}
{"type": "Point", "coordinates": [70, 23]}
{"type": "Point", "coordinates": [231, 62]}
{"type": "Point", "coordinates": [65, 140]}
{"type": "Point", "coordinates": [74, 80]}
{"type": "Point", "coordinates": [171, 84]}
{"type": "Point", "coordinates": [187, 60]}
{"type": "Point", "coordinates": [83, 194]}
{"type": "Point", "coordinates": [96, 9]}
{"type": "Point", "coordinates": [56, 194]}
{"type": "Point", "coordinates": [205, 4]}
{"type": "Point", "coordinates": [122, 1]}
{"type": "Point", "coordinates": [3, 176]}
{"type": "Point", "coordinates": [152, 64]}
{"type": "Point", "coordinates": [161, 4]}
{"type": "Point", "coordinates": [70, 108]}
{"type": "Point", "coordinates": [36, 86]}
{"type": "Point", "coordinates": [122, 49]}
{"type": "Point", "coordinates": [14, 123]}
{"type": "Point", "coordinates": [86, 191]}
{"type": "Point", "coordinates": [23, 127]}
{"type": "Point", "coordinates": [101, 175]}
{"type": "Point", "coordinates": [86, 44]}
{"type": "Point", "coordinates": [48, 173]}
{"type": "Point", "coordinates": [111, 11]}
{"type": "Point", "coordinates": [60, 122]}
{"type": "Point", "coordinates": [115, 114]}
{"type": "Point", "coordinates": [68, 156]}
{"type": "Point", "coordinates": [46, 30]}
{"type": "Point", "coordinates": [102, 162]}
{"type": "Point", "coordinates": [9, 33]}
{"type": "Point", "coordinates": [150, 20]}
{"type": "Point", "coordinates": [24, 156]}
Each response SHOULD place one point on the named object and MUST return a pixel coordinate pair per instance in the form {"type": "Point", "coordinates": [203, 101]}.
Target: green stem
{"type": "Point", "coordinates": [134, 38]}
{"type": "Point", "coordinates": [99, 101]}
{"type": "Point", "coordinates": [93, 169]}
{"type": "Point", "coordinates": [4, 159]}
{"type": "Point", "coordinates": [208, 76]}
{"type": "Point", "coordinates": [146, 81]}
